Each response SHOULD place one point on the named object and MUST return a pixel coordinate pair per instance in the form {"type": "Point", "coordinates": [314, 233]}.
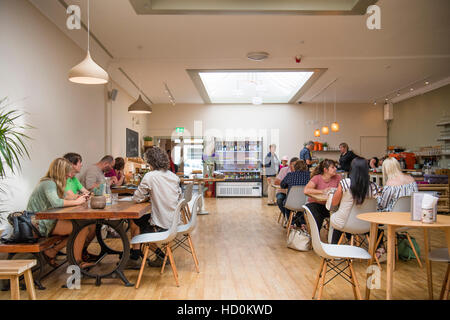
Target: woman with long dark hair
{"type": "Point", "coordinates": [351, 191]}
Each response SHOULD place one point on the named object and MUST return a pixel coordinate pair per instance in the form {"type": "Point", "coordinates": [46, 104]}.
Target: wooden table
{"type": "Point", "coordinates": [114, 216]}
{"type": "Point", "coordinates": [123, 190]}
{"type": "Point", "coordinates": [394, 220]}
{"type": "Point", "coordinates": [201, 182]}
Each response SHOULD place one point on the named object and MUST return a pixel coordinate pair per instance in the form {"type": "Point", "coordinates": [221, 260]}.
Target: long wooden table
{"type": "Point", "coordinates": [114, 216]}
{"type": "Point", "coordinates": [394, 220]}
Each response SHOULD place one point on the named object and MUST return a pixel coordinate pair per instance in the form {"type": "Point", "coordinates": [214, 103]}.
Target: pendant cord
{"type": "Point", "coordinates": [334, 104]}
{"type": "Point", "coordinates": [89, 34]}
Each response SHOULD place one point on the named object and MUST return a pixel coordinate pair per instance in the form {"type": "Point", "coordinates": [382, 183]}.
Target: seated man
{"type": "Point", "coordinates": [162, 187]}
{"type": "Point", "coordinates": [281, 193]}
{"type": "Point", "coordinates": [94, 175]}
{"type": "Point", "coordinates": [299, 177]}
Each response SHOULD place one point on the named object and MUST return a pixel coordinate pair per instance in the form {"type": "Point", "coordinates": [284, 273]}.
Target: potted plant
{"type": "Point", "coordinates": [325, 146]}
{"type": "Point", "coordinates": [12, 144]}
{"type": "Point", "coordinates": [148, 141]}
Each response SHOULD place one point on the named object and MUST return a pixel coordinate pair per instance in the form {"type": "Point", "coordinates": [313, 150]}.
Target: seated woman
{"type": "Point", "coordinates": [352, 190]}
{"type": "Point", "coordinates": [162, 187]}
{"type": "Point", "coordinates": [323, 179]}
{"type": "Point", "coordinates": [397, 184]}
{"type": "Point", "coordinates": [116, 173]}
{"type": "Point", "coordinates": [48, 194]}
{"type": "Point", "coordinates": [298, 177]}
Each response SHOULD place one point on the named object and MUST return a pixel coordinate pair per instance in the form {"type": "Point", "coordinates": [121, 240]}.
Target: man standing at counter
{"type": "Point", "coordinates": [346, 157]}
{"type": "Point", "coordinates": [305, 154]}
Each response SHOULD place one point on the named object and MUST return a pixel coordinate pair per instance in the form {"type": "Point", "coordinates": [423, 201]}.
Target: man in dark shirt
{"type": "Point", "coordinates": [305, 153]}
{"type": "Point", "coordinates": [346, 157]}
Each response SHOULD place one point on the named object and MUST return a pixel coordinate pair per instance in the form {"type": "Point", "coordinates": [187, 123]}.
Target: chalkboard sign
{"type": "Point", "coordinates": [132, 143]}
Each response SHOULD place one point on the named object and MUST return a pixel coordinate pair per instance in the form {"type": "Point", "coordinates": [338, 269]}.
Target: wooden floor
{"type": "Point", "coordinates": [243, 255]}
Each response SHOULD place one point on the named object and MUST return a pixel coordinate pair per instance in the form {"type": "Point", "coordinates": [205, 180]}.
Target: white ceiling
{"type": "Point", "coordinates": [413, 44]}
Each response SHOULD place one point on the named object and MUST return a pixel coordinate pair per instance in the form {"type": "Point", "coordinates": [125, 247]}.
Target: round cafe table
{"type": "Point", "coordinates": [394, 220]}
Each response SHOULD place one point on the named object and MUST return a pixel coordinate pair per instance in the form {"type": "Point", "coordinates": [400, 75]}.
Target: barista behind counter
{"type": "Point", "coordinates": [346, 157]}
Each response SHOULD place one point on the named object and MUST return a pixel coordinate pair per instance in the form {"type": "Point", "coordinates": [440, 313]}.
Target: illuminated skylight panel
{"type": "Point", "coordinates": [245, 87]}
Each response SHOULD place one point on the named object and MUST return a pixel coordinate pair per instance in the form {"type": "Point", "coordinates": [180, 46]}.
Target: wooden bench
{"type": "Point", "coordinates": [12, 270]}
{"type": "Point", "coordinates": [37, 249]}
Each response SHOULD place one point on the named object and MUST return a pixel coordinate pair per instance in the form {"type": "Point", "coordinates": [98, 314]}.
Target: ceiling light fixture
{"type": "Point", "coordinates": [140, 107]}
{"type": "Point", "coordinates": [325, 129]}
{"type": "Point", "coordinates": [87, 71]}
{"type": "Point", "coordinates": [171, 98]}
{"type": "Point", "coordinates": [317, 131]}
{"type": "Point", "coordinates": [257, 56]}
{"type": "Point", "coordinates": [335, 124]}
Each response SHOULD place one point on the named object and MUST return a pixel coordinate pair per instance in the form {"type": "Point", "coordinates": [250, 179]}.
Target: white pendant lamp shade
{"type": "Point", "coordinates": [88, 72]}
{"type": "Point", "coordinates": [139, 107]}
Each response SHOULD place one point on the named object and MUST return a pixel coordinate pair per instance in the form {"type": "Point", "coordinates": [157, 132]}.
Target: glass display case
{"type": "Point", "coordinates": [240, 163]}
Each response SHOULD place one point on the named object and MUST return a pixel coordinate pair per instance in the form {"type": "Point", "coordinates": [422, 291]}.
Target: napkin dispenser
{"type": "Point", "coordinates": [416, 205]}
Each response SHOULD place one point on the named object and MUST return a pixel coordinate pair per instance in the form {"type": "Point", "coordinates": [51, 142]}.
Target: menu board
{"type": "Point", "coordinates": [132, 143]}
{"type": "Point", "coordinates": [416, 204]}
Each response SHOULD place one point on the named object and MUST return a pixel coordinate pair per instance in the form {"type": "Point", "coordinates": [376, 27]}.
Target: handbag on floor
{"type": "Point", "coordinates": [405, 252]}
{"type": "Point", "coordinates": [299, 240]}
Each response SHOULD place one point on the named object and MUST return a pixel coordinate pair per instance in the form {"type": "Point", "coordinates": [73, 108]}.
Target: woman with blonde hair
{"type": "Point", "coordinates": [49, 194]}
{"type": "Point", "coordinates": [396, 185]}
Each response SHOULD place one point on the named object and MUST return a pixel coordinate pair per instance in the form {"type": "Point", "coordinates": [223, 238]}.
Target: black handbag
{"type": "Point", "coordinates": [22, 228]}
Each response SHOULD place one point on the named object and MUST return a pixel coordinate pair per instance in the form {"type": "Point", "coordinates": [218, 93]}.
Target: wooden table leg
{"type": "Point", "coordinates": [15, 290]}
{"type": "Point", "coordinates": [372, 244]}
{"type": "Point", "coordinates": [30, 284]}
{"type": "Point", "coordinates": [447, 235]}
{"type": "Point", "coordinates": [390, 261]}
{"type": "Point", "coordinates": [426, 241]}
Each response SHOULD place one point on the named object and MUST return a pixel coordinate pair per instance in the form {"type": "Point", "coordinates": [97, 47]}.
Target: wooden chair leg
{"type": "Point", "coordinates": [445, 284]}
{"type": "Point", "coordinates": [28, 275]}
{"type": "Point", "coordinates": [144, 261]}
{"type": "Point", "coordinates": [279, 217]}
{"type": "Point", "coordinates": [355, 281]}
{"type": "Point", "coordinates": [414, 250]}
{"type": "Point", "coordinates": [164, 262]}
{"type": "Point", "coordinates": [15, 290]}
{"type": "Point", "coordinates": [172, 264]}
{"type": "Point", "coordinates": [322, 281]}
{"type": "Point", "coordinates": [341, 238]}
{"type": "Point", "coordinates": [351, 240]}
{"type": "Point", "coordinates": [376, 259]}
{"type": "Point", "coordinates": [194, 255]}
{"type": "Point", "coordinates": [355, 296]}
{"type": "Point", "coordinates": [288, 227]}
{"type": "Point", "coordinates": [319, 273]}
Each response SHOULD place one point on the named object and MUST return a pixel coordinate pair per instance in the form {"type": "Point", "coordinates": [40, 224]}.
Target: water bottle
{"type": "Point", "coordinates": [108, 192]}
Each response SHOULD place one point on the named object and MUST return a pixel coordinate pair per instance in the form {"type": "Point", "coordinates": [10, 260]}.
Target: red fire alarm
{"type": "Point", "coordinates": [298, 58]}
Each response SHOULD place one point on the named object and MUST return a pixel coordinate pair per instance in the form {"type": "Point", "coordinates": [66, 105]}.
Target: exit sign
{"type": "Point", "coordinates": [179, 129]}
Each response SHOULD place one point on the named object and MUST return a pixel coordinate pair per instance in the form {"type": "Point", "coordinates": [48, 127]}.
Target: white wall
{"type": "Point", "coordinates": [285, 125]}
{"type": "Point", "coordinates": [121, 120]}
{"type": "Point", "coordinates": [35, 57]}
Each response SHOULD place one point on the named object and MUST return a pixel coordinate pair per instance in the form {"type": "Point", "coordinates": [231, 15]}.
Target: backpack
{"type": "Point", "coordinates": [22, 228]}
{"type": "Point", "coordinates": [405, 251]}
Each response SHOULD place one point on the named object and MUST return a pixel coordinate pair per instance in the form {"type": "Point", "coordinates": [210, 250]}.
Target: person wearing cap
{"type": "Point", "coordinates": [284, 162]}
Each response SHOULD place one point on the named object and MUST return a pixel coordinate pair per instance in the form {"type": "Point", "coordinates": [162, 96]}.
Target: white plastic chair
{"type": "Point", "coordinates": [330, 252]}
{"type": "Point", "coordinates": [164, 238]}
{"type": "Point", "coordinates": [295, 200]}
{"type": "Point", "coordinates": [440, 255]}
{"type": "Point", "coordinates": [184, 233]}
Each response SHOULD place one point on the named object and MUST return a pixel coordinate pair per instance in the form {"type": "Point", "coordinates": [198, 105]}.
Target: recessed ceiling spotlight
{"type": "Point", "coordinates": [427, 83]}
{"type": "Point", "coordinates": [257, 56]}
{"type": "Point", "coordinates": [375, 103]}
{"type": "Point", "coordinates": [411, 89]}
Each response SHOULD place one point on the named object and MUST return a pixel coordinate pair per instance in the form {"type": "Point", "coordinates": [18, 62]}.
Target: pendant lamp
{"type": "Point", "coordinates": [335, 125]}
{"type": "Point", "coordinates": [139, 107]}
{"type": "Point", "coordinates": [87, 71]}
{"type": "Point", "coordinates": [325, 129]}
{"type": "Point", "coordinates": [317, 131]}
